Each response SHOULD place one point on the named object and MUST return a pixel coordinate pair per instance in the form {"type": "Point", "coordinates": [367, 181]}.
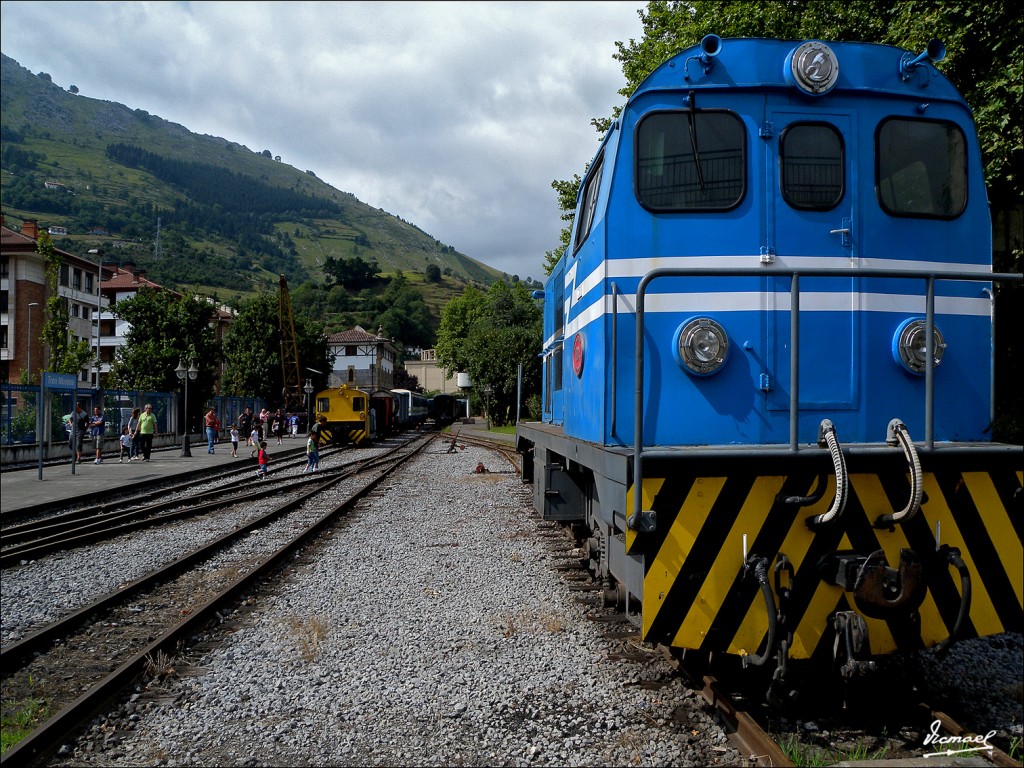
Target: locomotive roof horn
{"type": "Point", "coordinates": [934, 52]}
{"type": "Point", "coordinates": [710, 47]}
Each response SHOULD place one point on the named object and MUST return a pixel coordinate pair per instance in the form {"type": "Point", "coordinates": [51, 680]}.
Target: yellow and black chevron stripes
{"type": "Point", "coordinates": [340, 433]}
{"type": "Point", "coordinates": [357, 435]}
{"type": "Point", "coordinates": [697, 594]}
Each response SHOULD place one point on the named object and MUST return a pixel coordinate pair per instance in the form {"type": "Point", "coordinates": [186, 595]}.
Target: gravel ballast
{"type": "Point", "coordinates": [430, 629]}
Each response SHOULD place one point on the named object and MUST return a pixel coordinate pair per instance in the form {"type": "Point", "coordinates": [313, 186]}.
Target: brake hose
{"type": "Point", "coordinates": [828, 431]}
{"type": "Point", "coordinates": [760, 570]}
{"type": "Point", "coordinates": [898, 433]}
{"type": "Point", "coordinates": [954, 559]}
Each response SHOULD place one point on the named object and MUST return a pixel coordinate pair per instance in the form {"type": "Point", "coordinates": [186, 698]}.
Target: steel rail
{"type": "Point", "coordinates": [507, 451]}
{"type": "Point", "coordinates": [755, 745]}
{"type": "Point", "coordinates": [90, 530]}
{"type": "Point", "coordinates": [994, 755]}
{"type": "Point", "coordinates": [105, 499]}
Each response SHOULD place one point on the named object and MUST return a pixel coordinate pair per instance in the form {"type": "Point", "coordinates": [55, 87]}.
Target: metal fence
{"type": "Point", "coordinates": [20, 415]}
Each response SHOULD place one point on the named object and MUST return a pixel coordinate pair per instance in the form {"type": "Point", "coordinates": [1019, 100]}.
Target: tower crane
{"type": "Point", "coordinates": [291, 371]}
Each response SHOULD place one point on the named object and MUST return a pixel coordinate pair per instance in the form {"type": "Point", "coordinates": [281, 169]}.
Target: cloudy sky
{"type": "Point", "coordinates": [454, 116]}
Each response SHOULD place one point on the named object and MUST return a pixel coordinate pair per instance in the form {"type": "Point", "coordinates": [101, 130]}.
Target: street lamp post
{"type": "Point", "coordinates": [308, 389]}
{"type": "Point", "coordinates": [99, 295]}
{"type": "Point", "coordinates": [184, 374]}
{"type": "Point", "coordinates": [487, 394]}
{"type": "Point", "coordinates": [39, 399]}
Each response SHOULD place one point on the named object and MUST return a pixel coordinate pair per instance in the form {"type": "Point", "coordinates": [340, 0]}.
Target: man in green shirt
{"type": "Point", "coordinates": [145, 431]}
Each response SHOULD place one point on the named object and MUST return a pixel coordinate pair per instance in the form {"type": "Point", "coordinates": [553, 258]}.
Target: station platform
{"type": "Point", "coordinates": [22, 490]}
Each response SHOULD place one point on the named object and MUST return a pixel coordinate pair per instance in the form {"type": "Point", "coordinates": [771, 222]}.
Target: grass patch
{"type": "Point", "coordinates": [309, 633]}
{"type": "Point", "coordinates": [19, 718]}
{"type": "Point", "coordinates": [810, 756]}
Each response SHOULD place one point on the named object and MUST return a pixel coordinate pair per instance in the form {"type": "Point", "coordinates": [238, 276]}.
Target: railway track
{"type": "Point", "coordinates": [908, 730]}
{"type": "Point", "coordinates": [755, 737]}
{"type": "Point", "coordinates": [458, 441]}
{"type": "Point", "coordinates": [84, 661]}
{"type": "Point", "coordinates": [130, 512]}
{"type": "Point", "coordinates": [116, 493]}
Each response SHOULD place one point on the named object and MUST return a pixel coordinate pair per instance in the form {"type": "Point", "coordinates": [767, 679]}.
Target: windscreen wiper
{"type": "Point", "coordinates": [692, 122]}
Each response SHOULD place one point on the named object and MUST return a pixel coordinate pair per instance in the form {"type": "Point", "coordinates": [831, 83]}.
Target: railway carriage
{"type": "Point", "coordinates": [768, 361]}
{"type": "Point", "coordinates": [350, 419]}
{"type": "Point", "coordinates": [384, 407]}
{"type": "Point", "coordinates": [442, 408]}
{"type": "Point", "coordinates": [412, 408]}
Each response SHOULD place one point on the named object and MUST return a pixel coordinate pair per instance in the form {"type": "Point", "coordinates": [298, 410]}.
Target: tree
{"type": "Point", "coordinates": [354, 274]}
{"type": "Point", "coordinates": [405, 380]}
{"type": "Point", "coordinates": [458, 317]}
{"type": "Point", "coordinates": [433, 273]}
{"type": "Point", "coordinates": [65, 356]}
{"type": "Point", "coordinates": [403, 314]}
{"type": "Point", "coordinates": [566, 192]}
{"type": "Point", "coordinates": [166, 328]}
{"type": "Point", "coordinates": [252, 350]}
{"type": "Point", "coordinates": [488, 335]}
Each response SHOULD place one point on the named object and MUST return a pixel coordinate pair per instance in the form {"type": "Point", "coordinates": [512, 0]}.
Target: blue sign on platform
{"type": "Point", "coordinates": [60, 380]}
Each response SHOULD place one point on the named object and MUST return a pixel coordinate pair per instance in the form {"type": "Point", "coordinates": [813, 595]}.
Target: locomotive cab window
{"type": "Point", "coordinates": [811, 165]}
{"type": "Point", "coordinates": [590, 189]}
{"type": "Point", "coordinates": [323, 404]}
{"type": "Point", "coordinates": [922, 168]}
{"type": "Point", "coordinates": [690, 161]}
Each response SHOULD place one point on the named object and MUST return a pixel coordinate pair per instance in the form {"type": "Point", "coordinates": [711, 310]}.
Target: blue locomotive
{"type": "Point", "coordinates": [768, 361]}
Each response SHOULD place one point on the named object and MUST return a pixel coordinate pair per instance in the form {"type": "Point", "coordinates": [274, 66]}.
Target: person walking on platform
{"type": "Point", "coordinates": [97, 427]}
{"type": "Point", "coordinates": [234, 440]}
{"type": "Point", "coordinates": [245, 424]}
{"type": "Point", "coordinates": [146, 430]}
{"type": "Point", "coordinates": [126, 446]}
{"type": "Point", "coordinates": [212, 429]}
{"type": "Point", "coordinates": [278, 427]}
{"type": "Point", "coordinates": [254, 440]}
{"type": "Point", "coordinates": [81, 425]}
{"type": "Point", "coordinates": [133, 427]}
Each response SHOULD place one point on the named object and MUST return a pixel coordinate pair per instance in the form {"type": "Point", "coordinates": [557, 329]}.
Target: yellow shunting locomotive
{"type": "Point", "coordinates": [349, 416]}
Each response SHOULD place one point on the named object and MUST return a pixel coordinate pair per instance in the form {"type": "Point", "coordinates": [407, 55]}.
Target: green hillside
{"type": "Point", "coordinates": [230, 218]}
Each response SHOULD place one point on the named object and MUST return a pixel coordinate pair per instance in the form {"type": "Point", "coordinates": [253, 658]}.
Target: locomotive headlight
{"type": "Point", "coordinates": [702, 346]}
{"type": "Point", "coordinates": [908, 345]}
{"type": "Point", "coordinates": [813, 67]}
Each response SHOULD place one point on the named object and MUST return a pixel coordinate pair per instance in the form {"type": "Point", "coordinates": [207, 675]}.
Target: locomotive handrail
{"type": "Point", "coordinates": [794, 275]}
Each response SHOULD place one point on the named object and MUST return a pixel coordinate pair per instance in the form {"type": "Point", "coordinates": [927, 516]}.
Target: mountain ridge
{"type": "Point", "coordinates": [51, 135]}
